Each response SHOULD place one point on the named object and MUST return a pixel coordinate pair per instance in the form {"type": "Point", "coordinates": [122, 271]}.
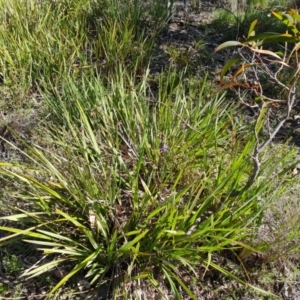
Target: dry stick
{"type": "Point", "coordinates": [290, 103]}
{"type": "Point", "coordinates": [258, 149]}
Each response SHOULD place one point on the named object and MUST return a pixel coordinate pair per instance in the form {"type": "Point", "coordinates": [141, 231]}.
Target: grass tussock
{"type": "Point", "coordinates": [127, 178]}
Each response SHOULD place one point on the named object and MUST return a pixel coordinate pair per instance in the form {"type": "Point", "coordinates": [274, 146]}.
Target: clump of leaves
{"type": "Point", "coordinates": [134, 187]}
{"type": "Point", "coordinates": [44, 39]}
{"type": "Point", "coordinates": [12, 263]}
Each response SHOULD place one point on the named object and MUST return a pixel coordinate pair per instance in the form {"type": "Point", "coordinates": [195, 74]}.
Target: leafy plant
{"type": "Point", "coordinates": [134, 186]}
{"type": "Point", "coordinates": [12, 264]}
{"type": "Point", "coordinates": [135, 177]}
{"type": "Point", "coordinates": [268, 60]}
{"type": "Point", "coordinates": [273, 65]}
{"type": "Point", "coordinates": [71, 37]}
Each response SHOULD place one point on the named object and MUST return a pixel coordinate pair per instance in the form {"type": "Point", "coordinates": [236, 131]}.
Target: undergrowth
{"type": "Point", "coordinates": [128, 177]}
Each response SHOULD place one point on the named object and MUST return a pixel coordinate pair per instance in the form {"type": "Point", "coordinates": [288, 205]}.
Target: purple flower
{"type": "Point", "coordinates": [164, 148]}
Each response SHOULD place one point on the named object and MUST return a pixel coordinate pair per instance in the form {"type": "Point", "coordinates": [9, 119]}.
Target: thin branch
{"type": "Point", "coordinates": [290, 102]}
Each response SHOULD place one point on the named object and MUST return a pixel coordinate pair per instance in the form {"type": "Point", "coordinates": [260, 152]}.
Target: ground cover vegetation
{"type": "Point", "coordinates": [137, 164]}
